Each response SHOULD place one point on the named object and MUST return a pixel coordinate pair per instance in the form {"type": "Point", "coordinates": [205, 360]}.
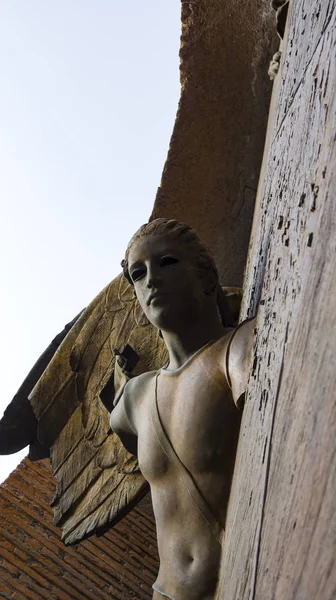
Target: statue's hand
{"type": "Point", "coordinates": [127, 360]}
{"type": "Point", "coordinates": [274, 65]}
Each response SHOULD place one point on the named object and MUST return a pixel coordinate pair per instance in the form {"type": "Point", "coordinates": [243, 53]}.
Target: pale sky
{"type": "Point", "coordinates": [89, 92]}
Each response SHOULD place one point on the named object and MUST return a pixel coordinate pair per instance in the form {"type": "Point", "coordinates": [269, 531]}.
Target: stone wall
{"type": "Point", "coordinates": [211, 174]}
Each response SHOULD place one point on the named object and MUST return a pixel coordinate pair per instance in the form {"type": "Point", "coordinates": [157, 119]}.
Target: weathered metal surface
{"type": "Point", "coordinates": [281, 528]}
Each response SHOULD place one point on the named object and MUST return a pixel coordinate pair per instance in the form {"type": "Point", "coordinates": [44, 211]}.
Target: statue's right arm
{"type": "Point", "coordinates": [121, 421]}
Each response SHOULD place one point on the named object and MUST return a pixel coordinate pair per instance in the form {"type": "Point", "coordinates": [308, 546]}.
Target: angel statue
{"type": "Point", "coordinates": [145, 386]}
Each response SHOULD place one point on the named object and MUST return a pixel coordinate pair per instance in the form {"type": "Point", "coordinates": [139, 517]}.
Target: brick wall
{"type": "Point", "coordinates": [34, 562]}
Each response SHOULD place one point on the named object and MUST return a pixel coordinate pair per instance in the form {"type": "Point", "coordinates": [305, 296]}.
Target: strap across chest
{"type": "Point", "coordinates": [198, 499]}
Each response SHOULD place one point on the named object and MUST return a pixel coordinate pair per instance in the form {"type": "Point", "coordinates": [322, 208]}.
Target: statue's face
{"type": "Point", "coordinates": [167, 281]}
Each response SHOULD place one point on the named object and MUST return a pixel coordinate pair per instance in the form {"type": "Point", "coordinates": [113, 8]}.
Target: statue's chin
{"type": "Point", "coordinates": [162, 318]}
{"type": "Point", "coordinates": [175, 312]}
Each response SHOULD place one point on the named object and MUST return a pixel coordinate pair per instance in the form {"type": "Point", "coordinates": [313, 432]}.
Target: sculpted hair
{"type": "Point", "coordinates": [178, 230]}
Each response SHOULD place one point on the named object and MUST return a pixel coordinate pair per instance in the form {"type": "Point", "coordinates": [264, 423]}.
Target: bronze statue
{"type": "Point", "coordinates": [182, 420]}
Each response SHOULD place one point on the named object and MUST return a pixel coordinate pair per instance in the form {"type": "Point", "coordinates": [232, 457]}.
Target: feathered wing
{"type": "Point", "coordinates": [98, 481]}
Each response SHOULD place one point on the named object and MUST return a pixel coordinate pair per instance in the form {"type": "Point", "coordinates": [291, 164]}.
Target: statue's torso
{"type": "Point", "coordinates": [199, 417]}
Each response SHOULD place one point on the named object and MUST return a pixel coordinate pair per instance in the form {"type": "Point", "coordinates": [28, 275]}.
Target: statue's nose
{"type": "Point", "coordinates": [152, 278]}
{"type": "Point", "coordinates": [152, 282]}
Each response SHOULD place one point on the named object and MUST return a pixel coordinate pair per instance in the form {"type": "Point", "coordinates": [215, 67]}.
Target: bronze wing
{"type": "Point", "coordinates": [98, 481]}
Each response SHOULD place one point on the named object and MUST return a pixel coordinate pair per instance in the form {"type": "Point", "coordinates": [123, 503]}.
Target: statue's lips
{"type": "Point", "coordinates": [156, 296]}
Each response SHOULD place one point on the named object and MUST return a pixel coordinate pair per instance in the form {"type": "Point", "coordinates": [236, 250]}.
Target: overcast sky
{"type": "Point", "coordinates": [89, 92]}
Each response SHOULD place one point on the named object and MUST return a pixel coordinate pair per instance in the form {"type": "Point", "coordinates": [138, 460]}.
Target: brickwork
{"type": "Point", "coordinates": [34, 562]}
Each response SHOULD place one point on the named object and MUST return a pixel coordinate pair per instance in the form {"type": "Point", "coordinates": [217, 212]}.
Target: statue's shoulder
{"type": "Point", "coordinates": [242, 337]}
{"type": "Point", "coordinates": [134, 400]}
{"type": "Point", "coordinates": [218, 349]}
{"type": "Point", "coordinates": [137, 387]}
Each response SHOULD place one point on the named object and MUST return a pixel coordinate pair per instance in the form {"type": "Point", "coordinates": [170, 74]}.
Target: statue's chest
{"type": "Point", "coordinates": [195, 407]}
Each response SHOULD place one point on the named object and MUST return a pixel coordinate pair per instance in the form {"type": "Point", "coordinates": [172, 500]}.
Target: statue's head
{"type": "Point", "coordinates": [172, 273]}
{"type": "Point", "coordinates": [181, 234]}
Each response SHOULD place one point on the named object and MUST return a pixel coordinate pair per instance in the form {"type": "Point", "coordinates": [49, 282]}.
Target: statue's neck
{"type": "Point", "coordinates": [183, 344]}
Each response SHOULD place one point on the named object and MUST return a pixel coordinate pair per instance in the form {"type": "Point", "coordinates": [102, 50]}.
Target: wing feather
{"type": "Point", "coordinates": [98, 481]}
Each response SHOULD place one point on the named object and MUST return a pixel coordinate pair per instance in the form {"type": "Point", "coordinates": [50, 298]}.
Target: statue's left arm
{"type": "Point", "coordinates": [238, 360]}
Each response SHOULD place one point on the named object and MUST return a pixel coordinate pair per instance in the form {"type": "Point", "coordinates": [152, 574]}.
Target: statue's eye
{"type": "Point", "coordinates": [137, 274]}
{"type": "Point", "coordinates": [168, 260]}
